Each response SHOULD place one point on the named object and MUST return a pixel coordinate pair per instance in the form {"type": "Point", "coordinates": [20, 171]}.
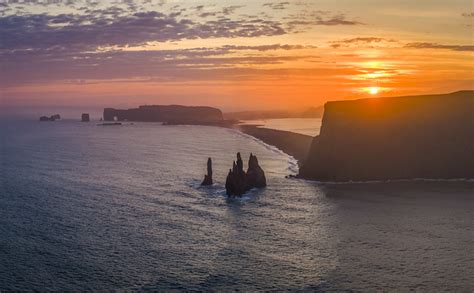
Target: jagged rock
{"type": "Point", "coordinates": [255, 174]}
{"type": "Point", "coordinates": [238, 181]}
{"type": "Point", "coordinates": [208, 178]}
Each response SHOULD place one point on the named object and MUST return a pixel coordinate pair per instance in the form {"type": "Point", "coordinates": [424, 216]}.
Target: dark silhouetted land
{"type": "Point", "coordinates": [410, 137]}
{"type": "Point", "coordinates": [172, 114]}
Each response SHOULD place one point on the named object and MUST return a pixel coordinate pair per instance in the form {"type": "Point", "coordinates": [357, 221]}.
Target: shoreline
{"type": "Point", "coordinates": [294, 144]}
{"type": "Point", "coordinates": [291, 143]}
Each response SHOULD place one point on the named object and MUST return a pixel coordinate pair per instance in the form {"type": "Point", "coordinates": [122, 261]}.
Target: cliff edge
{"type": "Point", "coordinates": [409, 137]}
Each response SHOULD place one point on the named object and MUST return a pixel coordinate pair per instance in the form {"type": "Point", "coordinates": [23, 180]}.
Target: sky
{"type": "Point", "coordinates": [235, 55]}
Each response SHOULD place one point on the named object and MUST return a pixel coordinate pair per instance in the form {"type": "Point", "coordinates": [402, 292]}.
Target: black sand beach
{"type": "Point", "coordinates": [294, 144]}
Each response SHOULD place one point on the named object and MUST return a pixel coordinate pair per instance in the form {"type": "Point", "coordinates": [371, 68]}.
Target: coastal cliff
{"type": "Point", "coordinates": [394, 138]}
{"type": "Point", "coordinates": [173, 114]}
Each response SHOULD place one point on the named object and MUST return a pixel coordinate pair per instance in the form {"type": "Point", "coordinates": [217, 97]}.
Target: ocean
{"type": "Point", "coordinates": [87, 207]}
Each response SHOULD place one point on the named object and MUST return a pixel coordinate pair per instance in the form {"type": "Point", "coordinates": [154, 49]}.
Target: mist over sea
{"type": "Point", "coordinates": [84, 207]}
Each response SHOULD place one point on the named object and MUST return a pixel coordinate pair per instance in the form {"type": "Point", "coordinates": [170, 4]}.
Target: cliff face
{"type": "Point", "coordinates": [158, 113]}
{"type": "Point", "coordinates": [395, 138]}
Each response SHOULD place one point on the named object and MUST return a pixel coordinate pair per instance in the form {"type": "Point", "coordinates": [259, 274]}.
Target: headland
{"type": "Point", "coordinates": [394, 138]}
{"type": "Point", "coordinates": [169, 114]}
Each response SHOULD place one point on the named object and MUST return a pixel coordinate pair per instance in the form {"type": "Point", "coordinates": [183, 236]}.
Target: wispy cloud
{"type": "Point", "coordinates": [360, 41]}
{"type": "Point", "coordinates": [35, 65]}
{"type": "Point", "coordinates": [440, 46]}
{"type": "Point", "coordinates": [277, 5]}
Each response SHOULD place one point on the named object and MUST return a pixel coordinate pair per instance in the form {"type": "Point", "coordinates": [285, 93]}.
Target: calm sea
{"type": "Point", "coordinates": [84, 207]}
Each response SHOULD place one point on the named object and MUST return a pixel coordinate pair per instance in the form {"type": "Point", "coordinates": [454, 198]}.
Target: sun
{"type": "Point", "coordinates": [373, 90]}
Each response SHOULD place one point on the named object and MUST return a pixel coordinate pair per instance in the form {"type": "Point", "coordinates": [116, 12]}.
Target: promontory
{"type": "Point", "coordinates": [392, 138]}
{"type": "Point", "coordinates": [171, 114]}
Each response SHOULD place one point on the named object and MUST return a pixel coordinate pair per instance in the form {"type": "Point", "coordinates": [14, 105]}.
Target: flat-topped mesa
{"type": "Point", "coordinates": [168, 114]}
{"type": "Point", "coordinates": [394, 138]}
{"type": "Point", "coordinates": [208, 178]}
{"type": "Point", "coordinates": [239, 182]}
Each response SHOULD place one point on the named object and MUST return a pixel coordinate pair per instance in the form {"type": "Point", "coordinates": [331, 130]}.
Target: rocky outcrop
{"type": "Point", "coordinates": [239, 182]}
{"type": "Point", "coordinates": [255, 174]}
{"type": "Point", "coordinates": [51, 118]}
{"type": "Point", "coordinates": [173, 114]}
{"type": "Point", "coordinates": [394, 138]}
{"type": "Point", "coordinates": [85, 117]}
{"type": "Point", "coordinates": [208, 178]}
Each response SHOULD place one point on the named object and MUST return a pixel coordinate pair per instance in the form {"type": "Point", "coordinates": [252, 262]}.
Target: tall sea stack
{"type": "Point", "coordinates": [208, 178]}
{"type": "Point", "coordinates": [239, 182]}
{"type": "Point", "coordinates": [394, 138]}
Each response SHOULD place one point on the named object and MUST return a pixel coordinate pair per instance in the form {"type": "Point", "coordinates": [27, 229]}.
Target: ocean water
{"type": "Point", "coordinates": [85, 207]}
{"type": "Point", "coordinates": [307, 126]}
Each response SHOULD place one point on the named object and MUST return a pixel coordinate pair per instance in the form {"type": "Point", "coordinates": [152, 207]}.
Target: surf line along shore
{"type": "Point", "coordinates": [294, 144]}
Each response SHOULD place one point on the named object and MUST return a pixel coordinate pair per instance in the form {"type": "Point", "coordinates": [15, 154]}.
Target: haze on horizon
{"type": "Point", "coordinates": [235, 55]}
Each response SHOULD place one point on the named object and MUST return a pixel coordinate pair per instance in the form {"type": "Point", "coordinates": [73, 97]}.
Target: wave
{"type": "Point", "coordinates": [293, 167]}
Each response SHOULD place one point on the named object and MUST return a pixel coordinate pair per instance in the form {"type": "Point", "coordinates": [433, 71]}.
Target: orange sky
{"type": "Point", "coordinates": [235, 55]}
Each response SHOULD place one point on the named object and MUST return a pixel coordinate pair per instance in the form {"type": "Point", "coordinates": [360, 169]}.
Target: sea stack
{"type": "Point", "coordinates": [208, 178]}
{"type": "Point", "coordinates": [255, 175]}
{"type": "Point", "coordinates": [239, 182]}
{"type": "Point", "coordinates": [85, 117]}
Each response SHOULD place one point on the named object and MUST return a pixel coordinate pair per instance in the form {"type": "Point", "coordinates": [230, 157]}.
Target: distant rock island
{"type": "Point", "coordinates": [51, 118]}
{"type": "Point", "coordinates": [85, 117]}
{"type": "Point", "coordinates": [409, 137]}
{"type": "Point", "coordinates": [239, 182]}
{"type": "Point", "coordinates": [172, 114]}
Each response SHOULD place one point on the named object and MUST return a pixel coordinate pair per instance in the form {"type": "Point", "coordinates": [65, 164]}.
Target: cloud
{"type": "Point", "coordinates": [440, 46]}
{"type": "Point", "coordinates": [110, 28]}
{"type": "Point", "coordinates": [42, 65]}
{"type": "Point", "coordinates": [277, 6]}
{"type": "Point", "coordinates": [360, 40]}
{"type": "Point", "coordinates": [318, 18]}
{"type": "Point", "coordinates": [269, 47]}
{"type": "Point", "coordinates": [365, 40]}
{"type": "Point", "coordinates": [231, 9]}
{"type": "Point", "coordinates": [90, 42]}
